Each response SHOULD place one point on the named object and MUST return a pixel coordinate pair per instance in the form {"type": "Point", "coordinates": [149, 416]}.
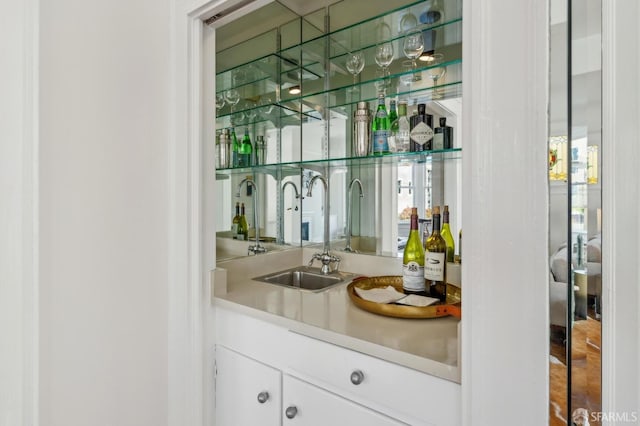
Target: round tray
{"type": "Point", "coordinates": [393, 310]}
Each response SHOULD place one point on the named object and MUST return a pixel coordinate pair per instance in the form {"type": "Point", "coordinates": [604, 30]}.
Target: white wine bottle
{"type": "Point", "coordinates": [243, 227]}
{"type": "Point", "coordinates": [435, 260]}
{"type": "Point", "coordinates": [236, 222]}
{"type": "Point", "coordinates": [446, 234]}
{"type": "Point", "coordinates": [413, 260]}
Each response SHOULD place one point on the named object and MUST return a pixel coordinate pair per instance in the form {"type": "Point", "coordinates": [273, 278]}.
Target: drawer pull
{"type": "Point", "coordinates": [291, 412]}
{"type": "Point", "coordinates": [263, 397]}
{"type": "Point", "coordinates": [357, 377]}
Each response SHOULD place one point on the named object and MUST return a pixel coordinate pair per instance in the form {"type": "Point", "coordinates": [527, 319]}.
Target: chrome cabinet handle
{"type": "Point", "coordinates": [357, 377]}
{"type": "Point", "coordinates": [291, 411]}
{"type": "Point", "coordinates": [263, 397]}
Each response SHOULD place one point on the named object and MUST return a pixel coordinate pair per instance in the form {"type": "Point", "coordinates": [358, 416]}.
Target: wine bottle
{"type": "Point", "coordinates": [245, 152]}
{"type": "Point", "coordinates": [435, 260]}
{"type": "Point", "coordinates": [243, 226]}
{"type": "Point", "coordinates": [460, 246]}
{"type": "Point", "coordinates": [413, 281]}
{"type": "Point", "coordinates": [400, 129]}
{"type": "Point", "coordinates": [446, 234]}
{"type": "Point", "coordinates": [442, 136]}
{"type": "Point", "coordinates": [380, 129]}
{"type": "Point", "coordinates": [393, 117]}
{"type": "Point", "coordinates": [235, 147]}
{"type": "Point", "coordinates": [421, 130]}
{"type": "Point", "coordinates": [236, 222]}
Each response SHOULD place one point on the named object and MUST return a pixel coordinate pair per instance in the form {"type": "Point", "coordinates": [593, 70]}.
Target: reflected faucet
{"type": "Point", "coordinates": [257, 248]}
{"type": "Point", "coordinates": [325, 257]}
{"type": "Point", "coordinates": [349, 202]}
{"type": "Point", "coordinates": [298, 196]}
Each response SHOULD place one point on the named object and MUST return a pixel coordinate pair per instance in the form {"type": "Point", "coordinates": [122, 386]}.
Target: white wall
{"type": "Point", "coordinates": [104, 110]}
{"type": "Point", "coordinates": [18, 225]}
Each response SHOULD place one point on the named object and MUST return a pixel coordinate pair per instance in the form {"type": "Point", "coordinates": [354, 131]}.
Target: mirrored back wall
{"type": "Point", "coordinates": [311, 133]}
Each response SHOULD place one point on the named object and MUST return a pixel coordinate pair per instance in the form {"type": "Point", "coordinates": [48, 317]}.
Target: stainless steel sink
{"type": "Point", "coordinates": [306, 278]}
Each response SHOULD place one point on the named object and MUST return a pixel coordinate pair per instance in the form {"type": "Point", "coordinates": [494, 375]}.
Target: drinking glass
{"type": "Point", "coordinates": [355, 65]}
{"type": "Point", "coordinates": [436, 72]}
{"type": "Point", "coordinates": [220, 101]}
{"type": "Point", "coordinates": [413, 45]}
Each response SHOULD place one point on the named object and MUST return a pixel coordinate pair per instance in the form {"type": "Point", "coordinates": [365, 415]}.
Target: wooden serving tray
{"type": "Point", "coordinates": [398, 311]}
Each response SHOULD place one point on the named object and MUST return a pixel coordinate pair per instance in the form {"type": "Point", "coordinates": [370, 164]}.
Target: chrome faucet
{"type": "Point", "coordinates": [281, 224]}
{"type": "Point", "coordinates": [349, 202]}
{"type": "Point", "coordinates": [257, 248]}
{"type": "Point", "coordinates": [325, 257]}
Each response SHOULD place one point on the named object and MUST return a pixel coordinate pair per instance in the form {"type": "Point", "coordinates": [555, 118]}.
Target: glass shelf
{"type": "Point", "coordinates": [294, 167]}
{"type": "Point", "coordinates": [318, 67]}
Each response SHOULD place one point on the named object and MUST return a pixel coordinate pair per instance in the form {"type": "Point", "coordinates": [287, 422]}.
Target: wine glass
{"type": "Point", "coordinates": [220, 101]}
{"type": "Point", "coordinates": [413, 45]}
{"type": "Point", "coordinates": [355, 65]}
{"type": "Point", "coordinates": [408, 21]}
{"type": "Point", "coordinates": [436, 72]}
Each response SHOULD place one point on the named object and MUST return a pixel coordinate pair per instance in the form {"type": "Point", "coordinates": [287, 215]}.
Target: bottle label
{"type": "Point", "coordinates": [438, 141]}
{"type": "Point", "coordinates": [434, 264]}
{"type": "Point", "coordinates": [413, 277]}
{"type": "Point", "coordinates": [421, 133]}
{"type": "Point", "coordinates": [381, 141]}
{"type": "Point", "coordinates": [234, 231]}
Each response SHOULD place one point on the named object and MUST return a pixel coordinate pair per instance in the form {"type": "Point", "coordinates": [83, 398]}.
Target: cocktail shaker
{"type": "Point", "coordinates": [361, 140]}
{"type": "Point", "coordinates": [261, 151]}
{"type": "Point", "coordinates": [224, 150]}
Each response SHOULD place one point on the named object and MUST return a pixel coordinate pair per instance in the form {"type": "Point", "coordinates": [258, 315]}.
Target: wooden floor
{"type": "Point", "coordinates": [586, 375]}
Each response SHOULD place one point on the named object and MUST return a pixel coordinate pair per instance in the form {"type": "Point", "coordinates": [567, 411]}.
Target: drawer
{"type": "Point", "coordinates": [402, 393]}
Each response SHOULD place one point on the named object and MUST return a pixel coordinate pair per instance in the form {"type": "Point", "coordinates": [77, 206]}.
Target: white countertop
{"type": "Point", "coordinates": [427, 345]}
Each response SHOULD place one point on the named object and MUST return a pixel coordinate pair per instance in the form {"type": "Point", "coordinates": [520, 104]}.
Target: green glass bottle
{"type": "Point", "coordinates": [380, 128]}
{"type": "Point", "coordinates": [235, 147]}
{"type": "Point", "coordinates": [236, 222]}
{"type": "Point", "coordinates": [413, 260]}
{"type": "Point", "coordinates": [245, 152]}
{"type": "Point", "coordinates": [446, 234]}
{"type": "Point", "coordinates": [243, 226]}
{"type": "Point", "coordinates": [435, 260]}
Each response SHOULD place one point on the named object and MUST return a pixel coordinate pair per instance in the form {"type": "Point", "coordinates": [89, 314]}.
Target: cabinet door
{"type": "Point", "coordinates": [248, 393]}
{"type": "Point", "coordinates": [307, 405]}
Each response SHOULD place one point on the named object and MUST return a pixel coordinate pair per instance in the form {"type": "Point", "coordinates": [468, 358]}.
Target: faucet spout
{"type": "Point", "coordinates": [326, 207]}
{"type": "Point", "coordinates": [257, 248]}
{"type": "Point", "coordinates": [281, 222]}
{"type": "Point", "coordinates": [349, 213]}
{"type": "Point", "coordinates": [325, 257]}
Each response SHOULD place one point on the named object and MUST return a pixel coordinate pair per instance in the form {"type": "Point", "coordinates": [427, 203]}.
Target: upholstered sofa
{"type": "Point", "coordinates": [558, 278]}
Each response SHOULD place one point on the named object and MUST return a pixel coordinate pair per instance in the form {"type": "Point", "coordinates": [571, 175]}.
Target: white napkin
{"type": "Point", "coordinates": [417, 300]}
{"type": "Point", "coordinates": [390, 295]}
{"type": "Point", "coordinates": [381, 294]}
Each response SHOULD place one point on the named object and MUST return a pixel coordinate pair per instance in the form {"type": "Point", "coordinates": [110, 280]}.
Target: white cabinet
{"type": "Point", "coordinates": [247, 391]}
{"type": "Point", "coordinates": [327, 384]}
{"type": "Point", "coordinates": [308, 405]}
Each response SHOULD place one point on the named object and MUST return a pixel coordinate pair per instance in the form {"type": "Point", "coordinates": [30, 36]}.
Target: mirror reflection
{"type": "Point", "coordinates": [293, 93]}
{"type": "Point", "coordinates": [575, 150]}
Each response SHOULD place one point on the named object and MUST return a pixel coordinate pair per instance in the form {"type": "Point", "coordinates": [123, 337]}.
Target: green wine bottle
{"type": "Point", "coordinates": [236, 222]}
{"type": "Point", "coordinates": [446, 234]}
{"type": "Point", "coordinates": [243, 226]}
{"type": "Point", "coordinates": [380, 128]}
{"type": "Point", "coordinates": [435, 260]}
{"type": "Point", "coordinates": [413, 260]}
{"type": "Point", "coordinates": [245, 152]}
{"type": "Point", "coordinates": [235, 147]}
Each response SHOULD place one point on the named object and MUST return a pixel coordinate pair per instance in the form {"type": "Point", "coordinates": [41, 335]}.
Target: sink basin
{"type": "Point", "coordinates": [306, 278]}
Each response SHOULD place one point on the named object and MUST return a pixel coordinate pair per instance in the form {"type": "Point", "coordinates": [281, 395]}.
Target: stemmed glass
{"type": "Point", "coordinates": [413, 45]}
{"type": "Point", "coordinates": [436, 72]}
{"type": "Point", "coordinates": [384, 50]}
{"type": "Point", "coordinates": [220, 101]}
{"type": "Point", "coordinates": [232, 96]}
{"type": "Point", "coordinates": [355, 65]}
